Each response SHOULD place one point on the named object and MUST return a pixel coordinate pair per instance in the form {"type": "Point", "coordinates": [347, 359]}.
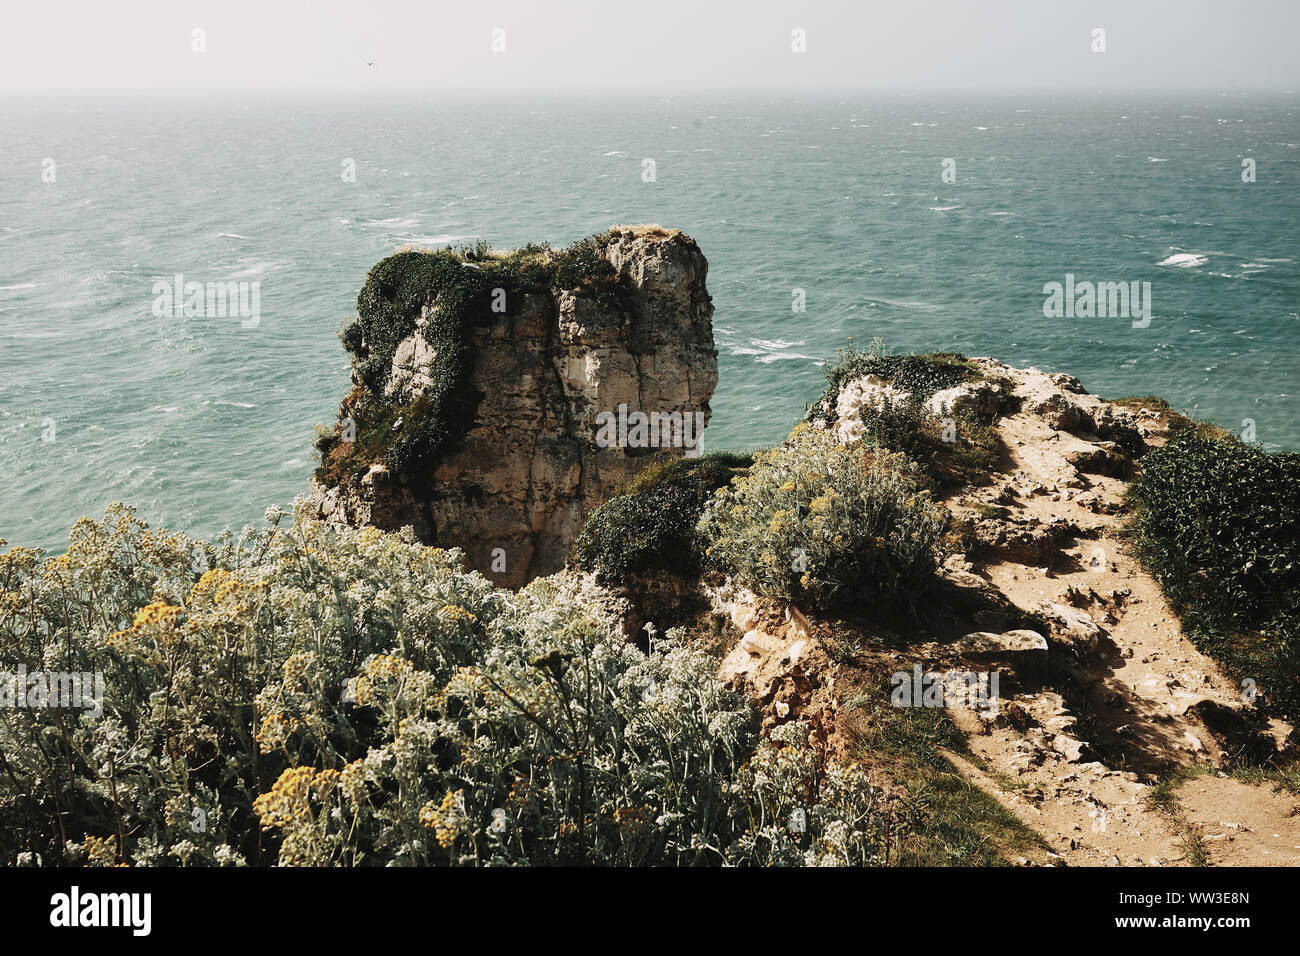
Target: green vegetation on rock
{"type": "Point", "coordinates": [962, 449]}
{"type": "Point", "coordinates": [444, 294]}
{"type": "Point", "coordinates": [922, 375]}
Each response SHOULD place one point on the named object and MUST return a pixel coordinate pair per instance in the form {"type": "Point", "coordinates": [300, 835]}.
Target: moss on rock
{"type": "Point", "coordinates": [443, 295]}
{"type": "Point", "coordinates": [952, 449]}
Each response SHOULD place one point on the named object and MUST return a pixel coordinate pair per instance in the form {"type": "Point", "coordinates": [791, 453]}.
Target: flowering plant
{"type": "Point", "coordinates": [824, 523]}
{"type": "Point", "coordinates": [330, 696]}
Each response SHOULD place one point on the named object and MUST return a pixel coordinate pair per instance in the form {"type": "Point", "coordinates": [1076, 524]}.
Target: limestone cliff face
{"type": "Point", "coordinates": [534, 460]}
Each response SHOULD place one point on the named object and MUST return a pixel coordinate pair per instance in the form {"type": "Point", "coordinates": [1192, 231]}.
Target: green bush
{"type": "Point", "coordinates": [922, 375]}
{"type": "Point", "coordinates": [333, 696]}
{"type": "Point", "coordinates": [649, 525]}
{"type": "Point", "coordinates": [962, 450]}
{"type": "Point", "coordinates": [957, 452]}
{"type": "Point", "coordinates": [1215, 521]}
{"type": "Point", "coordinates": [826, 524]}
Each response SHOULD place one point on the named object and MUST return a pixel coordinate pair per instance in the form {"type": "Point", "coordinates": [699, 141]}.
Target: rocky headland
{"type": "Point", "coordinates": [1102, 695]}
{"type": "Point", "coordinates": [965, 613]}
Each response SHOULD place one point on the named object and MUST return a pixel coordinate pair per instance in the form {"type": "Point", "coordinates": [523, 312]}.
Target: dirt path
{"type": "Point", "coordinates": [1243, 825]}
{"type": "Point", "coordinates": [1102, 699]}
{"type": "Point", "coordinates": [1130, 697]}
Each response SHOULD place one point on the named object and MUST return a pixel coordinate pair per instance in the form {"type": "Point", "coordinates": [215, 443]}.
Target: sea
{"type": "Point", "coordinates": [929, 221]}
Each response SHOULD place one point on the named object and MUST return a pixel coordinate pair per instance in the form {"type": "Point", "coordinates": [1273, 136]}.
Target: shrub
{"type": "Point", "coordinates": [956, 451]}
{"type": "Point", "coordinates": [829, 524]}
{"type": "Point", "coordinates": [777, 787]}
{"type": "Point", "coordinates": [1215, 521]}
{"type": "Point", "coordinates": [650, 523]}
{"type": "Point", "coordinates": [922, 375]}
{"type": "Point", "coordinates": [317, 695]}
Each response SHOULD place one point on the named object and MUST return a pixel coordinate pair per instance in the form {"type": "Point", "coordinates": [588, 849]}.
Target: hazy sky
{"type": "Point", "coordinates": [653, 45]}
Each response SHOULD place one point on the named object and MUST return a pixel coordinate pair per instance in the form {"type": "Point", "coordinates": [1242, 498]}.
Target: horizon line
{"type": "Point", "coordinates": [611, 92]}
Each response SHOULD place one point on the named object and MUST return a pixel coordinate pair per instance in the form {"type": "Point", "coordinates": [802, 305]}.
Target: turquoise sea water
{"type": "Point", "coordinates": [202, 423]}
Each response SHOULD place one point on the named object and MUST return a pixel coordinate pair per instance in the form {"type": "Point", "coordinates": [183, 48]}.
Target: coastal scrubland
{"type": "Point", "coordinates": [305, 694]}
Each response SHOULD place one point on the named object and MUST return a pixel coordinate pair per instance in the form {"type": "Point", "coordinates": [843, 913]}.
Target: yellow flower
{"type": "Point", "coordinates": [325, 781]}
{"type": "Point", "coordinates": [119, 641]}
{"type": "Point", "coordinates": [229, 588]}
{"type": "Point", "coordinates": [454, 614]}
{"type": "Point", "coordinates": [286, 802]}
{"type": "Point", "coordinates": [274, 732]}
{"type": "Point", "coordinates": [56, 566]}
{"type": "Point", "coordinates": [779, 522]}
{"type": "Point", "coordinates": [209, 583]}
{"type": "Point", "coordinates": [101, 851]}
{"type": "Point", "coordinates": [296, 666]}
{"type": "Point", "coordinates": [352, 781]}
{"type": "Point", "coordinates": [447, 819]}
{"type": "Point", "coordinates": [387, 666]}
{"type": "Point", "coordinates": [361, 691]}
{"type": "Point", "coordinates": [19, 559]}
{"type": "Point", "coordinates": [156, 612]}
